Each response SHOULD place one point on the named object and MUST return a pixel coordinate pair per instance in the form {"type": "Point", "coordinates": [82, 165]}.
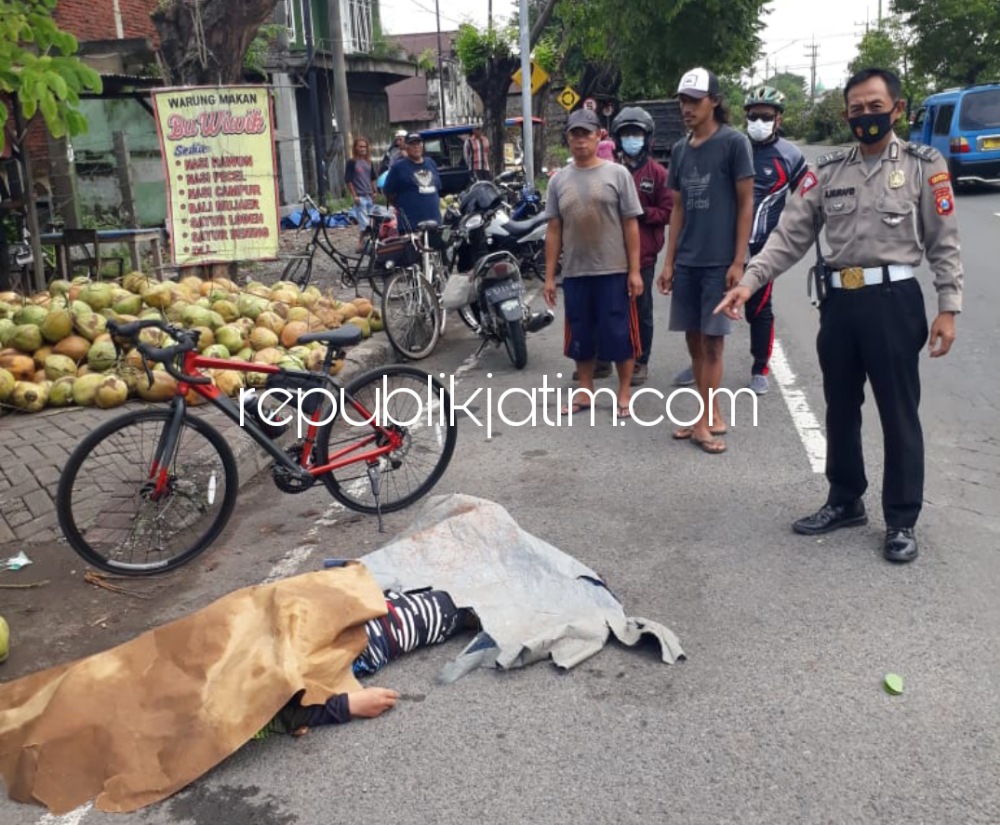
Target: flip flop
{"type": "Point", "coordinates": [623, 412]}
{"type": "Point", "coordinates": [685, 433]}
{"type": "Point", "coordinates": [712, 445]}
{"type": "Point", "coordinates": [574, 409]}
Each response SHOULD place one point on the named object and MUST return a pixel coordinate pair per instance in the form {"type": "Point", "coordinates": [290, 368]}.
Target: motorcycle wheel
{"type": "Point", "coordinates": [468, 316]}
{"type": "Point", "coordinates": [516, 341]}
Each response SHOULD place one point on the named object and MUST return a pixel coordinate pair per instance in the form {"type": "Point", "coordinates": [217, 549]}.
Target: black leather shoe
{"type": "Point", "coordinates": [900, 545]}
{"type": "Point", "coordinates": [832, 517]}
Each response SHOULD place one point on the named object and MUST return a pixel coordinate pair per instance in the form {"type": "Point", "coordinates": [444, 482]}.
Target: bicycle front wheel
{"type": "Point", "coordinates": [404, 399]}
{"type": "Point", "coordinates": [410, 313]}
{"type": "Point", "coordinates": [298, 270]}
{"type": "Point", "coordinates": [111, 512]}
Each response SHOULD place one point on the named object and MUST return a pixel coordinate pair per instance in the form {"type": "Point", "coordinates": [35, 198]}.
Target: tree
{"type": "Point", "coordinates": [877, 48]}
{"type": "Point", "coordinates": [955, 42]}
{"type": "Point", "coordinates": [204, 42]}
{"type": "Point", "coordinates": [38, 67]}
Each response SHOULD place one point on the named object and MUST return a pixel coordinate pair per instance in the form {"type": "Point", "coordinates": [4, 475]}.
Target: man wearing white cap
{"type": "Point", "coordinates": [711, 175]}
{"type": "Point", "coordinates": [394, 152]}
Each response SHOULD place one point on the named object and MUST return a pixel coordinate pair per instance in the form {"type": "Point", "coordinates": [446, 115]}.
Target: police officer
{"type": "Point", "coordinates": [886, 204]}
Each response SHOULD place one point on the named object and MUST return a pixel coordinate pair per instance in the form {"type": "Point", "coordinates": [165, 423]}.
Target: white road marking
{"type": "Point", "coordinates": [806, 424]}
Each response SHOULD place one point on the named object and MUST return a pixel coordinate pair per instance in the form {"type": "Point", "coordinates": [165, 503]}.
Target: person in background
{"type": "Point", "coordinates": [778, 170]}
{"type": "Point", "coordinates": [413, 186]}
{"type": "Point", "coordinates": [711, 175]}
{"type": "Point", "coordinates": [360, 177]}
{"type": "Point", "coordinates": [476, 152]}
{"type": "Point", "coordinates": [606, 147]}
{"type": "Point", "coordinates": [633, 132]}
{"type": "Point", "coordinates": [394, 152]}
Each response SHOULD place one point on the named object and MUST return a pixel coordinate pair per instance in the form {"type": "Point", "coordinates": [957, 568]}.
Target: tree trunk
{"type": "Point", "coordinates": [204, 42]}
{"type": "Point", "coordinates": [491, 84]}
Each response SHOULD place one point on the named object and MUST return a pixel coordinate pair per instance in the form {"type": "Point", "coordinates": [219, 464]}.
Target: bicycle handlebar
{"type": "Point", "coordinates": [187, 340]}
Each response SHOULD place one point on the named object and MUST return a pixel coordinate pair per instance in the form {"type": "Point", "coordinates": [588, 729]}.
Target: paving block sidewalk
{"type": "Point", "coordinates": [34, 448]}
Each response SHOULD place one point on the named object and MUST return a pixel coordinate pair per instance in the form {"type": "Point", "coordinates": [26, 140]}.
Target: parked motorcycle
{"type": "Point", "coordinates": [486, 286]}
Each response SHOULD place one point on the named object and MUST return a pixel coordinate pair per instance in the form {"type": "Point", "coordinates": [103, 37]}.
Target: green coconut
{"type": "Point", "coordinates": [29, 396]}
{"type": "Point", "coordinates": [61, 393]}
{"type": "Point", "coordinates": [7, 382]}
{"type": "Point", "coordinates": [7, 328]}
{"type": "Point", "coordinates": [85, 387]}
{"type": "Point", "coordinates": [90, 326]}
{"type": "Point", "coordinates": [216, 351]}
{"type": "Point", "coordinates": [30, 314]}
{"type": "Point", "coordinates": [27, 338]}
{"type": "Point", "coordinates": [262, 338]}
{"type": "Point", "coordinates": [128, 304]}
{"type": "Point", "coordinates": [251, 306]}
{"type": "Point", "coordinates": [102, 356]}
{"type": "Point", "coordinates": [227, 309]}
{"type": "Point", "coordinates": [59, 366]}
{"type": "Point", "coordinates": [231, 337]}
{"type": "Point", "coordinates": [111, 392]}
{"type": "Point", "coordinates": [97, 296]}
{"type": "Point", "coordinates": [58, 324]}
{"type": "Point", "coordinates": [59, 287]}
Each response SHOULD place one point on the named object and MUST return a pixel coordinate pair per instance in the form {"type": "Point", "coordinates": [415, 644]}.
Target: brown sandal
{"type": "Point", "coordinates": [685, 433]}
{"type": "Point", "coordinates": [711, 445]}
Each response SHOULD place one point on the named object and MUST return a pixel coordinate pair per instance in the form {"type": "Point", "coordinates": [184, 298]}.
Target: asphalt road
{"type": "Point", "coordinates": [778, 715]}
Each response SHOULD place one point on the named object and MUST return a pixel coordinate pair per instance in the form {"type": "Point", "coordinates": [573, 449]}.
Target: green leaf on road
{"type": "Point", "coordinates": [894, 684]}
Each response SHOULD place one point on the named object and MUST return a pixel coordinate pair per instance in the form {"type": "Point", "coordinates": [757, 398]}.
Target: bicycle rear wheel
{"type": "Point", "coordinates": [429, 435]}
{"type": "Point", "coordinates": [410, 313]}
{"type": "Point", "coordinates": [107, 507]}
{"type": "Point", "coordinates": [298, 270]}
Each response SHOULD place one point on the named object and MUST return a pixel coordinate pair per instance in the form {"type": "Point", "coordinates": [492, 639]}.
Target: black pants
{"type": "Point", "coordinates": [760, 316]}
{"type": "Point", "coordinates": [644, 308]}
{"type": "Point", "coordinates": [876, 332]}
{"type": "Point", "coordinates": [480, 174]}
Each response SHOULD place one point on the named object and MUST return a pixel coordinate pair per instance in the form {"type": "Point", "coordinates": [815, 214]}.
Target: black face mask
{"type": "Point", "coordinates": [871, 128]}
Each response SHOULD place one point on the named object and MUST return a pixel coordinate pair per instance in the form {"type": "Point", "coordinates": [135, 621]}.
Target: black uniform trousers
{"type": "Point", "coordinates": [875, 332]}
{"type": "Point", "coordinates": [760, 316]}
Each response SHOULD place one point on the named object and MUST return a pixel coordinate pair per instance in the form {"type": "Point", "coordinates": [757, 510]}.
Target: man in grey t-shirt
{"type": "Point", "coordinates": [592, 207]}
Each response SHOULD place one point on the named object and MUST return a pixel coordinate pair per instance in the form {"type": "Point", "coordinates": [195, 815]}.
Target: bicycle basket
{"type": "Point", "coordinates": [397, 252]}
{"type": "Point", "coordinates": [296, 384]}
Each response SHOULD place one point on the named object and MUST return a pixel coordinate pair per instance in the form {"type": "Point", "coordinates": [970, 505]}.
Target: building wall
{"type": "Point", "coordinates": [96, 19]}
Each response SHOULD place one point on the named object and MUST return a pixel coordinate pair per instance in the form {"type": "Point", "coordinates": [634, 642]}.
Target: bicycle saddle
{"type": "Point", "coordinates": [343, 336]}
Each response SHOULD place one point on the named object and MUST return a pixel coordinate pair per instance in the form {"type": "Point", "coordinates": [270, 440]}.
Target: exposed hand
{"type": "Point", "coordinates": [635, 285]}
{"type": "Point", "coordinates": [732, 301]}
{"type": "Point", "coordinates": [733, 274]}
{"type": "Point", "coordinates": [549, 291]}
{"type": "Point", "coordinates": [665, 283]}
{"type": "Point", "coordinates": [370, 702]}
{"type": "Point", "coordinates": [942, 334]}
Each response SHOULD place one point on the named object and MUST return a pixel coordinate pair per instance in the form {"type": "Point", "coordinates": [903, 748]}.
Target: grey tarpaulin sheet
{"type": "Point", "coordinates": [533, 600]}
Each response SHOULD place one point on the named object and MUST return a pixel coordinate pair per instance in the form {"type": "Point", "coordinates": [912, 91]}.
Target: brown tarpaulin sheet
{"type": "Point", "coordinates": [135, 724]}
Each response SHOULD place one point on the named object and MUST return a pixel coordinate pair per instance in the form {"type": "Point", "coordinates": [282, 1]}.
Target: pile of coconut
{"type": "Point", "coordinates": [55, 349]}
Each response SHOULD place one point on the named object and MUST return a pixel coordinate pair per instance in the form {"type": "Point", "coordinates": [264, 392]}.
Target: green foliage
{"type": "Point", "coordinates": [257, 50]}
{"type": "Point", "coordinates": [877, 48]}
{"type": "Point", "coordinates": [427, 62]}
{"type": "Point", "coordinates": [546, 54]}
{"type": "Point", "coordinates": [37, 64]}
{"type": "Point", "coordinates": [825, 122]}
{"type": "Point", "coordinates": [955, 42]}
{"type": "Point", "coordinates": [653, 42]}
{"type": "Point", "coordinates": [475, 48]}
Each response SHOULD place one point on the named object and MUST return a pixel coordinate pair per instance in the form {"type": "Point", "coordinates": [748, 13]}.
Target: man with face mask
{"type": "Point", "coordinates": [886, 205]}
{"type": "Point", "coordinates": [778, 169]}
{"type": "Point", "coordinates": [633, 132]}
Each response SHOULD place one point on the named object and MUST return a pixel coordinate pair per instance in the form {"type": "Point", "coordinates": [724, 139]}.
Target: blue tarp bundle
{"type": "Point", "coordinates": [294, 219]}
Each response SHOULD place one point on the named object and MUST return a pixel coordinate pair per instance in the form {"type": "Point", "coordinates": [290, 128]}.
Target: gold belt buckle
{"type": "Point", "coordinates": [852, 277]}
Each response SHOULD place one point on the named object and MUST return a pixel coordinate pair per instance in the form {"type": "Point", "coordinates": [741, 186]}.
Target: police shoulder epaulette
{"type": "Point", "coordinates": [922, 151]}
{"type": "Point", "coordinates": [831, 157]}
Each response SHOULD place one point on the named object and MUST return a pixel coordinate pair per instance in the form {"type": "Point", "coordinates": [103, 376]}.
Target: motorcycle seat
{"type": "Point", "coordinates": [518, 228]}
{"type": "Point", "coordinates": [426, 226]}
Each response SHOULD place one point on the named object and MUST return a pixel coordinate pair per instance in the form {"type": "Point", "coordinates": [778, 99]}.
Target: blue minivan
{"type": "Point", "coordinates": [964, 126]}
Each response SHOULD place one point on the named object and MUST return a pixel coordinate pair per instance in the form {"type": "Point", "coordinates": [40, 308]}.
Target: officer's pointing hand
{"type": "Point", "coordinates": [942, 334]}
{"type": "Point", "coordinates": [732, 301]}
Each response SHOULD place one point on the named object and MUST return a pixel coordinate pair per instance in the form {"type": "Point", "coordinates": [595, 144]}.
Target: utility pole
{"type": "Point", "coordinates": [341, 101]}
{"type": "Point", "coordinates": [812, 50]}
{"type": "Point", "coordinates": [437, 13]}
{"type": "Point", "coordinates": [317, 132]}
{"type": "Point", "coordinates": [527, 127]}
{"type": "Point", "coordinates": [489, 13]}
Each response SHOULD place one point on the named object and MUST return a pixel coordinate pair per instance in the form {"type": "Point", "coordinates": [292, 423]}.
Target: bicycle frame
{"type": "Point", "coordinates": [193, 361]}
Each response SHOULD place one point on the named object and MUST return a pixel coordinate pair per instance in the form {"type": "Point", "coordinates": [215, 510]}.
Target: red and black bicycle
{"type": "Point", "coordinates": [148, 491]}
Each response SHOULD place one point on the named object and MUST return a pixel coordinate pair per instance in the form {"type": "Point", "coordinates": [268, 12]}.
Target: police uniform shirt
{"type": "Point", "coordinates": [894, 211]}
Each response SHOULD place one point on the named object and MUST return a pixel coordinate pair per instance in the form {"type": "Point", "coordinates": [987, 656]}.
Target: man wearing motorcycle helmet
{"type": "Point", "coordinates": [633, 133]}
{"type": "Point", "coordinates": [778, 169]}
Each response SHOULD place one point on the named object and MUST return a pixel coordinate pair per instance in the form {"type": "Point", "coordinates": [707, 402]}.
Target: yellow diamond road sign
{"type": "Point", "coordinates": [568, 98]}
{"type": "Point", "coordinates": [539, 77]}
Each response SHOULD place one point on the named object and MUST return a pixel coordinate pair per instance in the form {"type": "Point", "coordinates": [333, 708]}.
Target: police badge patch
{"type": "Point", "coordinates": [944, 201]}
{"type": "Point", "coordinates": [808, 182]}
